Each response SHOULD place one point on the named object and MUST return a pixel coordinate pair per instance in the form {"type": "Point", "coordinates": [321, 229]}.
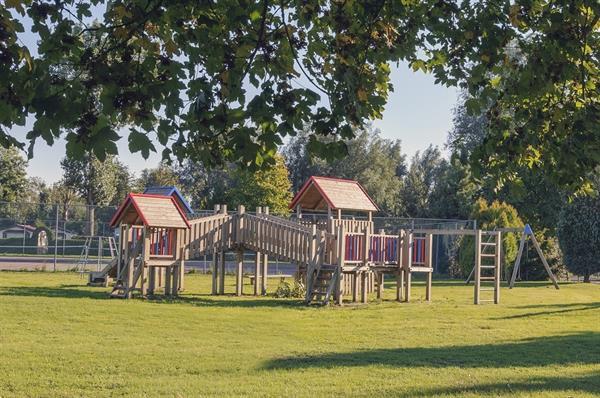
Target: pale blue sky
{"type": "Point", "coordinates": [418, 113]}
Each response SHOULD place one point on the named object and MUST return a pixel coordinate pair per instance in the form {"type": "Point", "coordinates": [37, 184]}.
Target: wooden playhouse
{"type": "Point", "coordinates": [151, 245]}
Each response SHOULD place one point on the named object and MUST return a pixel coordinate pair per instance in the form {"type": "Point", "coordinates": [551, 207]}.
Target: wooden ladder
{"type": "Point", "coordinates": [487, 266]}
{"type": "Point", "coordinates": [325, 279]}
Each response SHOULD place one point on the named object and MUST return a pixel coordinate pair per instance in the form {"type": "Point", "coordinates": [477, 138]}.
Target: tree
{"type": "Point", "coordinates": [579, 236]}
{"type": "Point", "coordinates": [268, 187]}
{"type": "Point", "coordinates": [454, 191]}
{"type": "Point", "coordinates": [420, 181]}
{"type": "Point", "coordinates": [217, 82]}
{"type": "Point", "coordinates": [13, 175]}
{"type": "Point", "coordinates": [97, 182]}
{"type": "Point", "coordinates": [377, 163]}
{"type": "Point", "coordinates": [163, 175]}
{"type": "Point", "coordinates": [469, 133]}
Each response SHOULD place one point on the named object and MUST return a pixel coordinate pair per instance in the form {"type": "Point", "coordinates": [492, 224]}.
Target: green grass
{"type": "Point", "coordinates": [60, 338]}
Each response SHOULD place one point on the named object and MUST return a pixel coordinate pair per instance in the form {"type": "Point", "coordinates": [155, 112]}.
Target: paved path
{"type": "Point", "coordinates": [43, 263]}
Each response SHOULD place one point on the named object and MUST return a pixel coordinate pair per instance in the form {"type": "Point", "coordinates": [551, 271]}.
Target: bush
{"type": "Point", "coordinates": [285, 290]}
{"type": "Point", "coordinates": [496, 215]}
{"type": "Point", "coordinates": [579, 236]}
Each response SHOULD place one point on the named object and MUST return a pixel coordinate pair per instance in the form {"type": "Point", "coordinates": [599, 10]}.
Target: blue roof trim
{"type": "Point", "coordinates": [169, 191]}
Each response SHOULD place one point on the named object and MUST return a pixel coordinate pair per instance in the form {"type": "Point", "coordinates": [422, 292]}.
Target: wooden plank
{"type": "Point", "coordinates": [477, 275]}
{"type": "Point", "coordinates": [543, 258]}
{"type": "Point", "coordinates": [518, 261]}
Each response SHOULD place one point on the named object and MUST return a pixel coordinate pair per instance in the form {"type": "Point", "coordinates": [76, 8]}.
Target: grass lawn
{"type": "Point", "coordinates": [61, 338]}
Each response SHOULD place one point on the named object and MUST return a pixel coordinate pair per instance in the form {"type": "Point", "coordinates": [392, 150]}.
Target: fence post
{"type": "Point", "coordinates": [56, 239]}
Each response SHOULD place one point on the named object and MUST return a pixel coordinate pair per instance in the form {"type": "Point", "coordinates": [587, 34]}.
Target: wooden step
{"type": "Point", "coordinates": [488, 243]}
{"type": "Point", "coordinates": [487, 266]}
{"type": "Point", "coordinates": [488, 254]}
{"type": "Point", "coordinates": [487, 278]}
{"type": "Point", "coordinates": [487, 289]}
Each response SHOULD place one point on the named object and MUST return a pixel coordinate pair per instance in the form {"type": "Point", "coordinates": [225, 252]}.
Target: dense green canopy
{"type": "Point", "coordinates": [227, 80]}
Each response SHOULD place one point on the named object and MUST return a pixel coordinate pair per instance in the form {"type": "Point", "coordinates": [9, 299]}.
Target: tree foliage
{"type": "Point", "coordinates": [228, 80]}
{"type": "Point", "coordinates": [377, 163]}
{"type": "Point", "coordinates": [266, 187]}
{"type": "Point", "coordinates": [13, 175]}
{"type": "Point", "coordinates": [99, 183]}
{"type": "Point", "coordinates": [579, 236]}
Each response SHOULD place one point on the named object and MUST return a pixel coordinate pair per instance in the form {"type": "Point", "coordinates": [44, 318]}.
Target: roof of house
{"type": "Point", "coordinates": [151, 211]}
{"type": "Point", "coordinates": [320, 192]}
{"type": "Point", "coordinates": [170, 191]}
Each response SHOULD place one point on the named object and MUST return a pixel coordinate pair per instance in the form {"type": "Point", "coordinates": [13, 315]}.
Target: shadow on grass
{"type": "Point", "coordinates": [560, 309]}
{"type": "Point", "coordinates": [64, 291]}
{"type": "Point", "coordinates": [229, 301]}
{"type": "Point", "coordinates": [72, 291]}
{"type": "Point", "coordinates": [581, 348]}
{"type": "Point", "coordinates": [588, 383]}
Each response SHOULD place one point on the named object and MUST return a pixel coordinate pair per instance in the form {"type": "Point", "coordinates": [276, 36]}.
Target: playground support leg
{"type": "Point", "coordinates": [399, 284]}
{"type": "Point", "coordinates": [222, 274]}
{"type": "Point", "coordinates": [167, 281]}
{"type": "Point", "coordinates": [428, 286]}
{"type": "Point", "coordinates": [239, 277]}
{"type": "Point", "coordinates": [176, 273]}
{"type": "Point", "coordinates": [407, 283]}
{"type": "Point", "coordinates": [151, 280]}
{"type": "Point", "coordinates": [380, 279]}
{"type": "Point", "coordinates": [264, 274]}
{"type": "Point", "coordinates": [355, 287]}
{"type": "Point", "coordinates": [364, 288]}
{"type": "Point", "coordinates": [215, 272]}
{"type": "Point", "coordinates": [257, 273]}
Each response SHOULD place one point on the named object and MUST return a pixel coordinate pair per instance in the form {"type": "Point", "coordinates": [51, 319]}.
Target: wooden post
{"type": "Point", "coordinates": [338, 292]}
{"type": "Point", "coordinates": [363, 288]}
{"type": "Point", "coordinates": [168, 281]}
{"type": "Point", "coordinates": [477, 268]}
{"type": "Point", "coordinates": [311, 263]}
{"type": "Point", "coordinates": [518, 262]}
{"type": "Point", "coordinates": [257, 260]}
{"type": "Point", "coordinates": [497, 269]}
{"type": "Point", "coordinates": [407, 268]}
{"type": "Point", "coordinates": [145, 259]}
{"type": "Point", "coordinates": [215, 271]}
{"type": "Point", "coordinates": [429, 263]}
{"type": "Point", "coordinates": [543, 258]}
{"type": "Point", "coordinates": [222, 273]}
{"type": "Point", "coordinates": [151, 280]}
{"type": "Point", "coordinates": [239, 280]}
{"type": "Point", "coordinates": [400, 270]}
{"type": "Point", "coordinates": [179, 251]}
{"type": "Point", "coordinates": [265, 264]}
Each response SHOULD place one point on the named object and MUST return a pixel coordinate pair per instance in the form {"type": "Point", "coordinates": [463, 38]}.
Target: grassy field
{"type": "Point", "coordinates": [60, 338]}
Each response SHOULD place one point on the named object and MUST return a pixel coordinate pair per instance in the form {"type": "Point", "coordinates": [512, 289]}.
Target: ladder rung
{"type": "Point", "coordinates": [487, 289]}
{"type": "Point", "coordinates": [487, 278]}
{"type": "Point", "coordinates": [488, 254]}
{"type": "Point", "coordinates": [488, 243]}
{"type": "Point", "coordinates": [487, 266]}
{"type": "Point", "coordinates": [487, 301]}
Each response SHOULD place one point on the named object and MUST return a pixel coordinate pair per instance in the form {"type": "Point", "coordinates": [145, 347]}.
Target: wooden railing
{"type": "Point", "coordinates": [277, 237]}
{"type": "Point", "coordinates": [207, 234]}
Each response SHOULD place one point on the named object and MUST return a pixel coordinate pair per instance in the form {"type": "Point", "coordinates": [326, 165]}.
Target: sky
{"type": "Point", "coordinates": [418, 113]}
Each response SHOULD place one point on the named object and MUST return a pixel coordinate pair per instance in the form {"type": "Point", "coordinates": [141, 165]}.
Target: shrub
{"type": "Point", "coordinates": [579, 236]}
{"type": "Point", "coordinates": [285, 290]}
{"type": "Point", "coordinates": [490, 216]}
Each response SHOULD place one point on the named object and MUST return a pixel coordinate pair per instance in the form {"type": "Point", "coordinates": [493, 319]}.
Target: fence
{"type": "Point", "coordinates": [57, 232]}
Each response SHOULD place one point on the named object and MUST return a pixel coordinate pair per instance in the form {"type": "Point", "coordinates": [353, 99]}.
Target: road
{"type": "Point", "coordinates": [43, 263]}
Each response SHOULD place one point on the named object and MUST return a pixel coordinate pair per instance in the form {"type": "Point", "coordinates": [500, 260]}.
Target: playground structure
{"type": "Point", "coordinates": [336, 258]}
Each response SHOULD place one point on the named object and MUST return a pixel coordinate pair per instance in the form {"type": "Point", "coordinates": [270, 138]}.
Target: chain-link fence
{"type": "Point", "coordinates": [74, 236]}
{"type": "Point", "coordinates": [55, 236]}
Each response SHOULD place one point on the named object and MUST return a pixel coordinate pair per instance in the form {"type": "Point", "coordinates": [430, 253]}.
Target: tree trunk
{"type": "Point", "coordinates": [586, 277]}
